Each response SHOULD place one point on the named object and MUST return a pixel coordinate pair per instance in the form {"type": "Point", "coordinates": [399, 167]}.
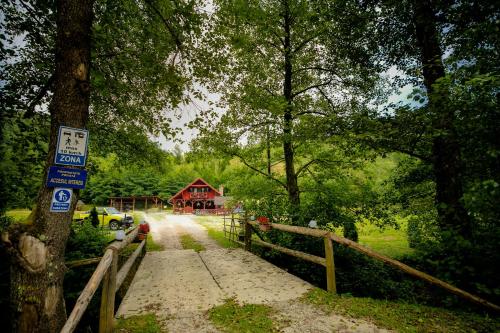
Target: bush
{"type": "Point", "coordinates": [5, 222]}
{"type": "Point", "coordinates": [94, 218]}
{"type": "Point", "coordinates": [85, 241]}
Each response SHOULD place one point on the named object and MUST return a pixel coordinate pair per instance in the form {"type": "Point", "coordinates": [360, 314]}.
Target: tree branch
{"type": "Point", "coordinates": [314, 86]}
{"type": "Point", "coordinates": [311, 112]}
{"type": "Point", "coordinates": [305, 166]}
{"type": "Point", "coordinates": [306, 41]}
{"type": "Point", "coordinates": [30, 110]}
{"type": "Point", "coordinates": [257, 170]}
{"type": "Point", "coordinates": [317, 68]}
{"type": "Point", "coordinates": [168, 25]}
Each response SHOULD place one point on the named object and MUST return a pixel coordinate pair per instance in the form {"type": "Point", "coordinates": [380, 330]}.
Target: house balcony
{"type": "Point", "coordinates": [199, 195]}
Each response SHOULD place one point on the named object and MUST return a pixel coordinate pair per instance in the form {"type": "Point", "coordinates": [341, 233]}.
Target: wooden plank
{"type": "Point", "coordinates": [331, 285]}
{"type": "Point", "coordinates": [129, 238]}
{"type": "Point", "coordinates": [296, 229]}
{"type": "Point", "coordinates": [294, 253]}
{"type": "Point", "coordinates": [124, 270]}
{"type": "Point", "coordinates": [394, 263]}
{"type": "Point", "coordinates": [416, 273]}
{"type": "Point", "coordinates": [107, 312]}
{"type": "Point", "coordinates": [82, 262]}
{"type": "Point", "coordinates": [86, 295]}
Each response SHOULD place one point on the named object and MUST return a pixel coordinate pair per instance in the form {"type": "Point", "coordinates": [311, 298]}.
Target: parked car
{"type": "Point", "coordinates": [108, 215]}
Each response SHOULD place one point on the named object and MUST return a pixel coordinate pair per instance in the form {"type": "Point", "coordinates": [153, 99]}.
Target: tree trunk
{"type": "Point", "coordinates": [447, 161]}
{"type": "Point", "coordinates": [37, 251]}
{"type": "Point", "coordinates": [268, 150]}
{"type": "Point", "coordinates": [291, 177]}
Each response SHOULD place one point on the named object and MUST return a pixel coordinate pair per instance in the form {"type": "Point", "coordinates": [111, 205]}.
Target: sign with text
{"type": "Point", "coordinates": [71, 146]}
{"type": "Point", "coordinates": [66, 177]}
{"type": "Point", "coordinates": [61, 200]}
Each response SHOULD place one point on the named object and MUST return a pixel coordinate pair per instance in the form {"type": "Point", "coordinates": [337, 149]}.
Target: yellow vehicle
{"type": "Point", "coordinates": [107, 215]}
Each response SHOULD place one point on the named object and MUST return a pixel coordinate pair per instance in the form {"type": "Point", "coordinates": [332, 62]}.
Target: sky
{"type": "Point", "coordinates": [188, 112]}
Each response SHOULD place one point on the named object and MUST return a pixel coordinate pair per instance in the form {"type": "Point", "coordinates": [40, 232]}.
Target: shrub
{"type": "Point", "coordinates": [84, 242]}
{"type": "Point", "coordinates": [94, 218]}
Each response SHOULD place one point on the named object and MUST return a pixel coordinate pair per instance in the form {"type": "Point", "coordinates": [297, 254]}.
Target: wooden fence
{"type": "Point", "coordinates": [107, 272]}
{"type": "Point", "coordinates": [329, 263]}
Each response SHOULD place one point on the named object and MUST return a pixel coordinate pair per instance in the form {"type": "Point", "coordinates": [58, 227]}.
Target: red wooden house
{"type": "Point", "coordinates": [198, 197]}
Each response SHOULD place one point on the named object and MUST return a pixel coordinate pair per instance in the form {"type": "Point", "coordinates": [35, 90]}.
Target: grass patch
{"type": "Point", "coordinates": [387, 241]}
{"type": "Point", "coordinates": [138, 217]}
{"type": "Point", "coordinates": [19, 215]}
{"type": "Point", "coordinates": [138, 324]}
{"type": "Point", "coordinates": [218, 236]}
{"type": "Point", "coordinates": [249, 318]}
{"type": "Point", "coordinates": [215, 228]}
{"type": "Point", "coordinates": [189, 242]}
{"type": "Point", "coordinates": [402, 317]}
{"type": "Point", "coordinates": [390, 242]}
{"type": "Point", "coordinates": [151, 245]}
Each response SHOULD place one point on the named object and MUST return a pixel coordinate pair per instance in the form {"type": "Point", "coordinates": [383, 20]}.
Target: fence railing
{"type": "Point", "coordinates": [329, 263]}
{"type": "Point", "coordinates": [107, 273]}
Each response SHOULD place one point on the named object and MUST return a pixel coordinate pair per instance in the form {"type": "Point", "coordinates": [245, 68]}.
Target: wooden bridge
{"type": "Point", "coordinates": [181, 285]}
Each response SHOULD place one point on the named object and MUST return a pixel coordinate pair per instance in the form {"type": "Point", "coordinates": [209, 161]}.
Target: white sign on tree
{"type": "Point", "coordinates": [71, 146]}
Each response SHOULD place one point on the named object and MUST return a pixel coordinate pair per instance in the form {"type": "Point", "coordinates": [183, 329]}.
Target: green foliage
{"type": "Point", "coordinates": [23, 147]}
{"type": "Point", "coordinates": [94, 218]}
{"type": "Point", "coordinates": [402, 317]}
{"type": "Point", "coordinates": [232, 317]}
{"type": "Point", "coordinates": [84, 242]}
{"type": "Point", "coordinates": [5, 222]}
{"type": "Point", "coordinates": [146, 323]}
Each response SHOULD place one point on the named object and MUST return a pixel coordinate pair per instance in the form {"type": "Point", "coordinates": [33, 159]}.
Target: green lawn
{"type": "Point", "coordinates": [215, 228]}
{"type": "Point", "coordinates": [19, 215]}
{"type": "Point", "coordinates": [390, 242]}
{"type": "Point", "coordinates": [387, 241]}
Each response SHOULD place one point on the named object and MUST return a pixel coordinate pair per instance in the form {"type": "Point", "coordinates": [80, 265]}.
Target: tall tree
{"type": "Point", "coordinates": [446, 157]}
{"type": "Point", "coordinates": [438, 47]}
{"type": "Point", "coordinates": [37, 250]}
{"type": "Point", "coordinates": [281, 77]}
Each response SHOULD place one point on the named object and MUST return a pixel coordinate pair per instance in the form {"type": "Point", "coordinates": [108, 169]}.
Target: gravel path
{"type": "Point", "coordinates": [167, 228]}
{"type": "Point", "coordinates": [179, 286]}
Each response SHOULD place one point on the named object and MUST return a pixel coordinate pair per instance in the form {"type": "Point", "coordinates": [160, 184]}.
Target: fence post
{"type": "Point", "coordinates": [107, 313]}
{"type": "Point", "coordinates": [248, 235]}
{"type": "Point", "coordinates": [330, 266]}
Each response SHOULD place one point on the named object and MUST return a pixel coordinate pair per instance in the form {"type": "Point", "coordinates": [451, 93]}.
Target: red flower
{"type": "Point", "coordinates": [263, 220]}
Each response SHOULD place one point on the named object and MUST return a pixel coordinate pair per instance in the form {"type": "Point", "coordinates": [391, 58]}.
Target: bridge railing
{"type": "Point", "coordinates": [107, 273]}
{"type": "Point", "coordinates": [329, 263]}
